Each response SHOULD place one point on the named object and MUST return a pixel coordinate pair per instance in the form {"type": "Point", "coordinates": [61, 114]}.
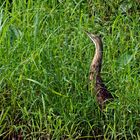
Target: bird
{"type": "Point", "coordinates": [102, 93]}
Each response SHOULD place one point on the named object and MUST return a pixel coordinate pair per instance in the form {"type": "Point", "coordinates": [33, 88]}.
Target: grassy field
{"type": "Point", "coordinates": [44, 67]}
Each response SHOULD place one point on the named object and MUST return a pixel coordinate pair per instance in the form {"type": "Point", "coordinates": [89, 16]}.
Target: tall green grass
{"type": "Point", "coordinates": [44, 66]}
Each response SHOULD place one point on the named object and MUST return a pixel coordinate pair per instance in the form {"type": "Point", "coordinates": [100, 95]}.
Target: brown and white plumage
{"type": "Point", "coordinates": [95, 67]}
{"type": "Point", "coordinates": [102, 94]}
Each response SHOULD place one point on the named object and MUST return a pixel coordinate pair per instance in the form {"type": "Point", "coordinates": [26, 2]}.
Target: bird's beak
{"type": "Point", "coordinates": [90, 35]}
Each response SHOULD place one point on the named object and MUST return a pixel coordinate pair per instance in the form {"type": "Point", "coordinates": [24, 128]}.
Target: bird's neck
{"type": "Point", "coordinates": [97, 60]}
{"type": "Point", "coordinates": [98, 53]}
{"type": "Point", "coordinates": [96, 64]}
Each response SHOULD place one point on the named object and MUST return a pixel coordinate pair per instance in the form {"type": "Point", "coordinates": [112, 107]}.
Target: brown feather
{"type": "Point", "coordinates": [102, 94]}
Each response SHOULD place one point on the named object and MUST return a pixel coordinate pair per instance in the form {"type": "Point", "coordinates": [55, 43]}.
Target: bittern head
{"type": "Point", "coordinates": [95, 39]}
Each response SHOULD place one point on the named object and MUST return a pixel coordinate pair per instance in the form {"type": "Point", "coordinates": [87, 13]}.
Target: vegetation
{"type": "Point", "coordinates": [44, 67]}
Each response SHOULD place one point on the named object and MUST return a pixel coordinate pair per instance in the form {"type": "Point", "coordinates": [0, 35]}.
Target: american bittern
{"type": "Point", "coordinates": [102, 94]}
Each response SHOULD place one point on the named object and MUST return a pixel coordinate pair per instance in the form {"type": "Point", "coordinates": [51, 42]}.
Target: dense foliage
{"type": "Point", "coordinates": [44, 66]}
